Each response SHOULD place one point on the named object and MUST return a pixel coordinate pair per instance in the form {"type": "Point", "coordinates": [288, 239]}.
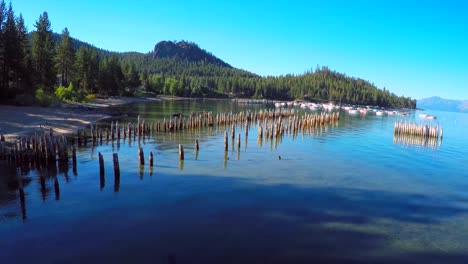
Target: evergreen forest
{"type": "Point", "coordinates": [40, 67]}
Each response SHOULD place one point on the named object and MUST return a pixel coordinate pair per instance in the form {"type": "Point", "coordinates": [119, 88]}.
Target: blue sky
{"type": "Point", "coordinates": [413, 48]}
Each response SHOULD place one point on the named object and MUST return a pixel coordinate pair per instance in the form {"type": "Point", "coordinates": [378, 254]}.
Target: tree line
{"type": "Point", "coordinates": [41, 64]}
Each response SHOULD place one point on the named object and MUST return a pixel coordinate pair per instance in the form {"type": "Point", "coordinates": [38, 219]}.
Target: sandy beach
{"type": "Point", "coordinates": [18, 121]}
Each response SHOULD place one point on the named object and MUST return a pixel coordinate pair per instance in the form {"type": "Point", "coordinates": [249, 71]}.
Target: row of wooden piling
{"type": "Point", "coordinates": [271, 123]}
{"type": "Point", "coordinates": [46, 148]}
{"type": "Point", "coordinates": [417, 130]}
{"type": "Point", "coordinates": [274, 122]}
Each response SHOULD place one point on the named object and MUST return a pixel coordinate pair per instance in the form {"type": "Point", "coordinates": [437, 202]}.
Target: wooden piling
{"type": "Point", "coordinates": [141, 156]}
{"type": "Point", "coordinates": [197, 147]}
{"type": "Point", "coordinates": [226, 141]}
{"type": "Point", "coordinates": [151, 159]}
{"type": "Point", "coordinates": [233, 131]}
{"type": "Point", "coordinates": [116, 165]}
{"type": "Point", "coordinates": [101, 164]}
{"type": "Point", "coordinates": [181, 152]}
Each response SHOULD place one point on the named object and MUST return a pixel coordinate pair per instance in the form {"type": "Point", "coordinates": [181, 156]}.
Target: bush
{"type": "Point", "coordinates": [43, 98]}
{"type": "Point", "coordinates": [91, 96]}
{"type": "Point", "coordinates": [69, 94]}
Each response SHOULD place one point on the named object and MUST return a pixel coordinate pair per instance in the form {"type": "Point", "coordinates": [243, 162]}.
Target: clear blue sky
{"type": "Point", "coordinates": [413, 48]}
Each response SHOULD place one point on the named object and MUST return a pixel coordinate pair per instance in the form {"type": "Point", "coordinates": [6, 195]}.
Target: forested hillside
{"type": "Point", "coordinates": [42, 66]}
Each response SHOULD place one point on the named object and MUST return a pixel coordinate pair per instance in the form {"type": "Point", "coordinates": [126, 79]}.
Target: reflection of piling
{"type": "Point", "coordinates": [74, 156]}
{"type": "Point", "coordinates": [22, 203]}
{"type": "Point", "coordinates": [56, 189]}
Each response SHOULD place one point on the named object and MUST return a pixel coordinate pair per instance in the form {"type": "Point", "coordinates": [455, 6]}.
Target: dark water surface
{"type": "Point", "coordinates": [347, 193]}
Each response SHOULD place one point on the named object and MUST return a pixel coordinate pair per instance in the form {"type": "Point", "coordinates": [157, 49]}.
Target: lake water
{"type": "Point", "coordinates": [347, 193]}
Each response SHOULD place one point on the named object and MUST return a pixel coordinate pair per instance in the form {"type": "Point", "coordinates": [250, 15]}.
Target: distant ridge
{"type": "Point", "coordinates": [438, 103]}
{"type": "Point", "coordinates": [184, 50]}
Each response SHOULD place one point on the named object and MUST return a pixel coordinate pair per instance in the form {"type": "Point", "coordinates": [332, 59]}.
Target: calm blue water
{"type": "Point", "coordinates": [345, 193]}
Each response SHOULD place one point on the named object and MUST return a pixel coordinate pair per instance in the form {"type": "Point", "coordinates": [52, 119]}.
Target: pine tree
{"type": "Point", "coordinates": [3, 89]}
{"type": "Point", "coordinates": [24, 67]}
{"type": "Point", "coordinates": [11, 56]}
{"type": "Point", "coordinates": [87, 69]}
{"type": "Point", "coordinates": [42, 54]}
{"type": "Point", "coordinates": [65, 58]}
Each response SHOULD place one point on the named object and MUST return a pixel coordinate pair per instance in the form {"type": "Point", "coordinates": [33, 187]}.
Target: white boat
{"type": "Point", "coordinates": [422, 115]}
{"type": "Point", "coordinates": [430, 117]}
{"type": "Point", "coordinates": [353, 111]}
{"type": "Point", "coordinates": [379, 113]}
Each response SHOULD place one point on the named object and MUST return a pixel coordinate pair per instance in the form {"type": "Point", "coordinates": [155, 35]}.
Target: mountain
{"type": "Point", "coordinates": [437, 103]}
{"type": "Point", "coordinates": [182, 68]}
{"type": "Point", "coordinates": [185, 50]}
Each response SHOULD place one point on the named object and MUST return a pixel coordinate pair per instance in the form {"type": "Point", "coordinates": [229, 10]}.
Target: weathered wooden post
{"type": "Point", "coordinates": [197, 147]}
{"type": "Point", "coordinates": [116, 173]}
{"type": "Point", "coordinates": [151, 159]}
{"type": "Point", "coordinates": [141, 156]}
{"type": "Point", "coordinates": [226, 141]}
{"type": "Point", "coordinates": [239, 141]}
{"type": "Point", "coordinates": [233, 132]}
{"type": "Point", "coordinates": [101, 165]}
{"type": "Point", "coordinates": [181, 152]}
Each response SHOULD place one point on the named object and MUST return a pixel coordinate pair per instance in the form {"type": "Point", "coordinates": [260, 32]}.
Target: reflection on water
{"type": "Point", "coordinates": [346, 192]}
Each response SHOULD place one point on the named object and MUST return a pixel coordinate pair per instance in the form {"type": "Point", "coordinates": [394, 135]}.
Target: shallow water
{"type": "Point", "coordinates": [345, 193]}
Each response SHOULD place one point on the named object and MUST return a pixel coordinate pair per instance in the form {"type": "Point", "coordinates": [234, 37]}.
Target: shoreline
{"type": "Point", "coordinates": [66, 119]}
